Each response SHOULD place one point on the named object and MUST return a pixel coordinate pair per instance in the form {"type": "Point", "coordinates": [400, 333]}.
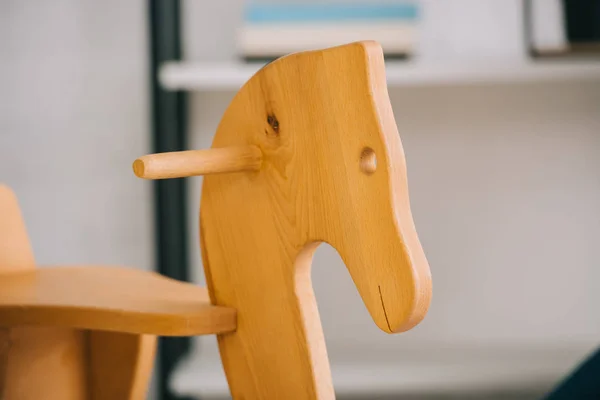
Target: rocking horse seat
{"type": "Point", "coordinates": [110, 299]}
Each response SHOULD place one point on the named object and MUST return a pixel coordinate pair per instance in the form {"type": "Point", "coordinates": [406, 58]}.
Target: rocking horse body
{"type": "Point", "coordinates": [307, 152]}
{"type": "Point", "coordinates": [332, 171]}
{"type": "Point", "coordinates": [322, 162]}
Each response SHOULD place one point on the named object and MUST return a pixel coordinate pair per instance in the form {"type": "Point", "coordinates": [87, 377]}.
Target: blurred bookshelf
{"type": "Point", "coordinates": [226, 76]}
{"type": "Point", "coordinates": [562, 28]}
{"type": "Point", "coordinates": [270, 30]}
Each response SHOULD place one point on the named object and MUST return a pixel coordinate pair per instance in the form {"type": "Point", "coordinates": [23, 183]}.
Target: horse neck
{"type": "Point", "coordinates": [255, 263]}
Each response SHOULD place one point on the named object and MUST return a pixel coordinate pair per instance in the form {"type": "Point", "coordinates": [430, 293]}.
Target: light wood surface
{"type": "Point", "coordinates": [111, 299]}
{"type": "Point", "coordinates": [120, 365]}
{"type": "Point", "coordinates": [198, 162]}
{"type": "Point", "coordinates": [318, 158]}
{"type": "Point", "coordinates": [43, 354]}
{"type": "Point", "coordinates": [333, 171]}
{"type": "Point", "coordinates": [35, 362]}
{"type": "Point", "coordinates": [46, 363]}
{"type": "Point", "coordinates": [70, 364]}
{"type": "Point", "coordinates": [15, 250]}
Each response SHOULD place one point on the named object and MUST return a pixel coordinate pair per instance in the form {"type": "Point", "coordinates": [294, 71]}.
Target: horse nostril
{"type": "Point", "coordinates": [368, 161]}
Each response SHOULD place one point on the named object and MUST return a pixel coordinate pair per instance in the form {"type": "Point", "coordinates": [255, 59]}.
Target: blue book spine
{"type": "Point", "coordinates": [261, 13]}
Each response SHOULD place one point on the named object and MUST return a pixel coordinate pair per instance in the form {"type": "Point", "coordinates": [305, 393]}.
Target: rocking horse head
{"type": "Point", "coordinates": [307, 152]}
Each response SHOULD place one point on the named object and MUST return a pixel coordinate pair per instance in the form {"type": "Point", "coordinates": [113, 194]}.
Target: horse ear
{"type": "Point", "coordinates": [182, 164]}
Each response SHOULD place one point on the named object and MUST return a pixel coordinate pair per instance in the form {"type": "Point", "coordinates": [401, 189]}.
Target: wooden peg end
{"type": "Point", "coordinates": [182, 164]}
{"type": "Point", "coordinates": [138, 168]}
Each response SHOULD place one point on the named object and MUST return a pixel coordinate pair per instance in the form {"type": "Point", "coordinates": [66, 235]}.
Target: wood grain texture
{"type": "Point", "coordinates": [46, 363]}
{"type": "Point", "coordinates": [120, 365]}
{"type": "Point", "coordinates": [110, 299]}
{"type": "Point", "coordinates": [4, 351]}
{"type": "Point", "coordinates": [198, 162]}
{"type": "Point", "coordinates": [35, 362]}
{"type": "Point", "coordinates": [43, 357]}
{"type": "Point", "coordinates": [333, 171]}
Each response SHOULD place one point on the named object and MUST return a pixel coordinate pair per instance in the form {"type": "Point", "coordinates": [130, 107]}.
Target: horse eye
{"type": "Point", "coordinates": [368, 161]}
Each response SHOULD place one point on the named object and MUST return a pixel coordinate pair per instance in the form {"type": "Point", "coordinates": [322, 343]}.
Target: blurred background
{"type": "Point", "coordinates": [498, 108]}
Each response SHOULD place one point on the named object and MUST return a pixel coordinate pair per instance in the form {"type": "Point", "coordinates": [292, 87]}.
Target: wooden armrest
{"type": "Point", "coordinates": [110, 299]}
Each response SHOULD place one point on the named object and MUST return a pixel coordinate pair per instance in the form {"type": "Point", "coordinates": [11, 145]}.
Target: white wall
{"type": "Point", "coordinates": [73, 115]}
{"type": "Point", "coordinates": [505, 188]}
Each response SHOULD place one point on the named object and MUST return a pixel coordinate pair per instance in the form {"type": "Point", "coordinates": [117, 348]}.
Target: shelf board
{"type": "Point", "coordinates": [231, 75]}
{"type": "Point", "coordinates": [425, 373]}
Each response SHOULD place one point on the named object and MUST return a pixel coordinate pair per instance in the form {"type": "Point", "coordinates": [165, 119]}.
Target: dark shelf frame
{"type": "Point", "coordinates": [169, 133]}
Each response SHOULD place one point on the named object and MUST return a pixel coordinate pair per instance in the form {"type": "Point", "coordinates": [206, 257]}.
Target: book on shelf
{"type": "Point", "coordinates": [271, 30]}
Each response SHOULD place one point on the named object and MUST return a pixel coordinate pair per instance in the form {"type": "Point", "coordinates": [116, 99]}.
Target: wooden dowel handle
{"type": "Point", "coordinates": [182, 164]}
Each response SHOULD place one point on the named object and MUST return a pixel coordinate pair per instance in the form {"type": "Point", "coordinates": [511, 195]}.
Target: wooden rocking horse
{"type": "Point", "coordinates": [307, 152]}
